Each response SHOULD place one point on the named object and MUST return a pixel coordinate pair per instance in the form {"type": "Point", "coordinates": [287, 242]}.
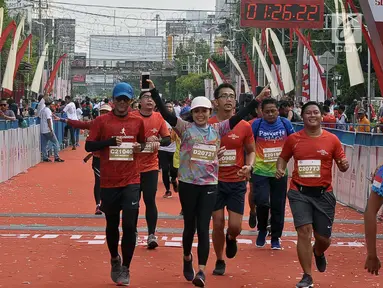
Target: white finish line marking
{"type": "Point", "coordinates": [141, 241]}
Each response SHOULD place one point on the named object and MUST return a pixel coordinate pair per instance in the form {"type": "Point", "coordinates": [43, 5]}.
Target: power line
{"type": "Point", "coordinates": [126, 18]}
{"type": "Point", "coordinates": [130, 8]}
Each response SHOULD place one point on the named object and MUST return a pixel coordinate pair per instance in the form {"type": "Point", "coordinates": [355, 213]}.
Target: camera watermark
{"type": "Point", "coordinates": [348, 32]}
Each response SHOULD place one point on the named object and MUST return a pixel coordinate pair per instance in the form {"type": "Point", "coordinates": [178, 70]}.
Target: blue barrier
{"type": "Point", "coordinates": [57, 126]}
{"type": "Point", "coordinates": [352, 138]}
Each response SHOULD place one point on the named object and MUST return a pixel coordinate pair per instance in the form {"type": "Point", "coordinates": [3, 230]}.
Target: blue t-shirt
{"type": "Point", "coordinates": [377, 186]}
{"type": "Point", "coordinates": [269, 141]}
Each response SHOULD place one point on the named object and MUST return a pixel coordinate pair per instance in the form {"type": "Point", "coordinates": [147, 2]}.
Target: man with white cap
{"type": "Point", "coordinates": [96, 155]}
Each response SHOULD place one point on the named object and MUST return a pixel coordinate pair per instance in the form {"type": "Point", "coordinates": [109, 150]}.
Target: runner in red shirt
{"type": "Point", "coordinates": [155, 128]}
{"type": "Point", "coordinates": [232, 185]}
{"type": "Point", "coordinates": [311, 198]}
{"type": "Point", "coordinates": [96, 155]}
{"type": "Point", "coordinates": [117, 136]}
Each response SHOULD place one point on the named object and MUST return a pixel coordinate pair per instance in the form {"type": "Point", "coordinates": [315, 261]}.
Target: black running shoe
{"type": "Point", "coordinates": [231, 247]}
{"type": "Point", "coordinates": [320, 261]}
{"type": "Point", "coordinates": [306, 282]}
{"type": "Point", "coordinates": [253, 220]}
{"type": "Point", "coordinates": [115, 269]}
{"type": "Point", "coordinates": [199, 279]}
{"type": "Point", "coordinates": [188, 269]}
{"type": "Point", "coordinates": [220, 267]}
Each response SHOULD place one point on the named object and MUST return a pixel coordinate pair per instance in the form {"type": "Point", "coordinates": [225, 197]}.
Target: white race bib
{"type": "Point", "coordinates": [203, 152]}
{"type": "Point", "coordinates": [309, 168]}
{"type": "Point", "coordinates": [121, 153]}
{"type": "Point", "coordinates": [148, 148]}
{"type": "Point", "coordinates": [271, 154]}
{"type": "Point", "coordinates": [229, 158]}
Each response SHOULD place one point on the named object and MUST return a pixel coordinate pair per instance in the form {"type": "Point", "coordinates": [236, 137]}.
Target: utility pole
{"type": "Point", "coordinates": [41, 42]}
{"type": "Point", "coordinates": [299, 75]}
{"type": "Point", "coordinates": [157, 19]}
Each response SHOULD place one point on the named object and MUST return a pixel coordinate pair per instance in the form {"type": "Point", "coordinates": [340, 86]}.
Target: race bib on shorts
{"type": "Point", "coordinates": [271, 154]}
{"type": "Point", "coordinates": [229, 158]}
{"type": "Point", "coordinates": [309, 168]}
{"type": "Point", "coordinates": [204, 153]}
{"type": "Point", "coordinates": [121, 153]}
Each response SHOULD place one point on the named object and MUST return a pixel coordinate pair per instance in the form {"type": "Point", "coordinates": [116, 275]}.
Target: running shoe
{"type": "Point", "coordinates": [98, 211]}
{"type": "Point", "coordinates": [152, 242]}
{"type": "Point", "coordinates": [320, 261]}
{"type": "Point", "coordinates": [167, 194]}
{"type": "Point", "coordinates": [276, 244]}
{"type": "Point", "coordinates": [231, 247]}
{"type": "Point", "coordinates": [306, 282]}
{"type": "Point", "coordinates": [124, 277]}
{"type": "Point", "coordinates": [261, 239]}
{"type": "Point", "coordinates": [59, 160]}
{"type": "Point", "coordinates": [116, 268]}
{"type": "Point", "coordinates": [253, 220]}
{"type": "Point", "coordinates": [199, 279]}
{"type": "Point", "coordinates": [175, 186]}
{"type": "Point", "coordinates": [47, 160]}
{"type": "Point", "coordinates": [220, 267]}
{"type": "Point", "coordinates": [188, 269]}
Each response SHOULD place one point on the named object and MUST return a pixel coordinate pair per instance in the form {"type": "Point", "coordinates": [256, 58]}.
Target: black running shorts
{"type": "Point", "coordinates": [232, 196]}
{"type": "Point", "coordinates": [318, 211]}
{"type": "Point", "coordinates": [113, 200]}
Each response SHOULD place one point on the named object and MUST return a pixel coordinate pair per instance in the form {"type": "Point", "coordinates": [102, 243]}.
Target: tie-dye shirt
{"type": "Point", "coordinates": [198, 151]}
{"type": "Point", "coordinates": [377, 186]}
{"type": "Point", "coordinates": [269, 140]}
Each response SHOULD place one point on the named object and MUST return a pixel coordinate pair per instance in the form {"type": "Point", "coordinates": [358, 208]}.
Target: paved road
{"type": "Point", "coordinates": [49, 237]}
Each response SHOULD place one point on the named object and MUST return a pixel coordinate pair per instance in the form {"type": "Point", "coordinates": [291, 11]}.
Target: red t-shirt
{"type": "Point", "coordinates": [154, 125]}
{"type": "Point", "coordinates": [131, 128]}
{"type": "Point", "coordinates": [329, 118]}
{"type": "Point", "coordinates": [313, 158]}
{"type": "Point", "coordinates": [234, 157]}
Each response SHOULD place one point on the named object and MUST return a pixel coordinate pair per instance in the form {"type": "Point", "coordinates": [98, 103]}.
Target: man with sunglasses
{"type": "Point", "coordinates": [232, 186]}
{"type": "Point", "coordinates": [117, 135]}
{"type": "Point", "coordinates": [5, 113]}
{"type": "Point", "coordinates": [155, 128]}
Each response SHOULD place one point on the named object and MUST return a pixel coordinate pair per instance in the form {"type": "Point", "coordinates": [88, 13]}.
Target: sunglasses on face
{"type": "Point", "coordinates": [3, 105]}
{"type": "Point", "coordinates": [122, 98]}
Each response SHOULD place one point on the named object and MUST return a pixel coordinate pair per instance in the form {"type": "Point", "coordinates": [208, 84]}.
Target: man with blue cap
{"type": "Point", "coordinates": [118, 135]}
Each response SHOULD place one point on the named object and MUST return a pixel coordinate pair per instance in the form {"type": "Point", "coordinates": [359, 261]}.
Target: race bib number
{"type": "Point", "coordinates": [271, 154]}
{"type": "Point", "coordinates": [309, 168]}
{"type": "Point", "coordinates": [121, 153]}
{"type": "Point", "coordinates": [204, 153]}
{"type": "Point", "coordinates": [148, 148]}
{"type": "Point", "coordinates": [229, 158]}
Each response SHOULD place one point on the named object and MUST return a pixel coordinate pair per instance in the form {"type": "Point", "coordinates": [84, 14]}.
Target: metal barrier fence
{"type": "Point", "coordinates": [20, 148]}
{"type": "Point", "coordinates": [364, 151]}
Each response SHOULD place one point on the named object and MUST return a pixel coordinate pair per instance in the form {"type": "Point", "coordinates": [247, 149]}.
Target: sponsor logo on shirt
{"type": "Point", "coordinates": [154, 130]}
{"type": "Point", "coordinates": [123, 132]}
{"type": "Point", "coordinates": [233, 136]}
{"type": "Point", "coordinates": [323, 152]}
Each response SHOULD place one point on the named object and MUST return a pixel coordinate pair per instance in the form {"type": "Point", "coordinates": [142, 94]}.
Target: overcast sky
{"type": "Point", "coordinates": [127, 21]}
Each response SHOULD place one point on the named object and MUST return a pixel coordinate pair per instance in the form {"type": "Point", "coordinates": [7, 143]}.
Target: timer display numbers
{"type": "Point", "coordinates": [282, 13]}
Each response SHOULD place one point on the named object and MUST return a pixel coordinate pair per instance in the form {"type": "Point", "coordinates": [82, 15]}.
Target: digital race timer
{"type": "Point", "coordinates": [282, 13]}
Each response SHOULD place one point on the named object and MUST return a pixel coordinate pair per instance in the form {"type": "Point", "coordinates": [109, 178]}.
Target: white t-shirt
{"type": "Point", "coordinates": [172, 146]}
{"type": "Point", "coordinates": [79, 113]}
{"type": "Point", "coordinates": [70, 110]}
{"type": "Point", "coordinates": [177, 110]}
{"type": "Point", "coordinates": [45, 116]}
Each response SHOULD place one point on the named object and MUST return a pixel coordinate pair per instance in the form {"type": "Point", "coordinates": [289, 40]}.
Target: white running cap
{"type": "Point", "coordinates": [200, 101]}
